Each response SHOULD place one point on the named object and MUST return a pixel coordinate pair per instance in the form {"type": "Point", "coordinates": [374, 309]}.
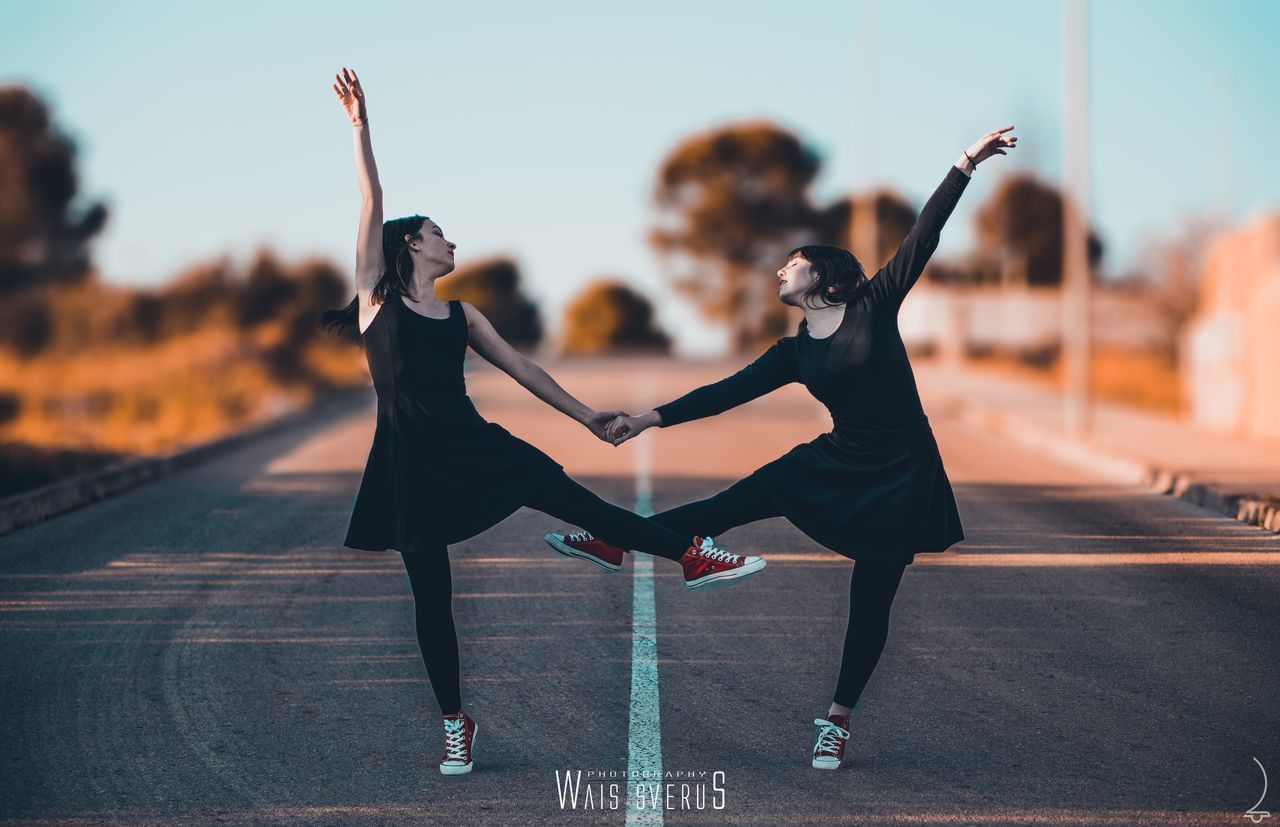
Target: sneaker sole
{"type": "Point", "coordinates": [726, 578]}
{"type": "Point", "coordinates": [463, 769]}
{"type": "Point", "coordinates": [819, 764]}
{"type": "Point", "coordinates": [570, 551]}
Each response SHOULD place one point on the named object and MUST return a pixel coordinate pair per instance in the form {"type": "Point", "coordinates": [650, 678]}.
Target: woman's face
{"type": "Point", "coordinates": [433, 249]}
{"type": "Point", "coordinates": [794, 279]}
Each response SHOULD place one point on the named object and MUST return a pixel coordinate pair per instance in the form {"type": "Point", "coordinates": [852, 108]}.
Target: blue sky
{"type": "Point", "coordinates": [535, 130]}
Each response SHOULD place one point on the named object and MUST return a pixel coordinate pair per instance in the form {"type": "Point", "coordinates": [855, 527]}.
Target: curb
{"type": "Point", "coordinates": [38, 504]}
{"type": "Point", "coordinates": [1257, 511]}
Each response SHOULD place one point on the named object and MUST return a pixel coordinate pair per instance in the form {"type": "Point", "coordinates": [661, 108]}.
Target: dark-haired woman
{"type": "Point", "coordinates": [437, 472]}
{"type": "Point", "coordinates": [873, 489]}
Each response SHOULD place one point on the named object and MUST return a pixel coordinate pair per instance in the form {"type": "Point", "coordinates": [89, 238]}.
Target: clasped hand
{"type": "Point", "coordinates": [615, 427]}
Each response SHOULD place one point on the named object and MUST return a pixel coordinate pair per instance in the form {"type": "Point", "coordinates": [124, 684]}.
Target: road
{"type": "Point", "coordinates": [203, 650]}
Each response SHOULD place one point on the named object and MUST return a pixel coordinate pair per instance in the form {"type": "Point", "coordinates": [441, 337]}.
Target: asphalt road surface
{"type": "Point", "coordinates": [203, 649]}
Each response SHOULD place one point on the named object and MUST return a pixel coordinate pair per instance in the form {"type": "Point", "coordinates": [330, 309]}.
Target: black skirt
{"type": "Point", "coordinates": [427, 485]}
{"type": "Point", "coordinates": [879, 495]}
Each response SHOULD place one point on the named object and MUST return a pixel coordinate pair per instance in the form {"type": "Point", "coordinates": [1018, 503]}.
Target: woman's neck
{"type": "Point", "coordinates": [425, 293]}
{"type": "Point", "coordinates": [823, 321]}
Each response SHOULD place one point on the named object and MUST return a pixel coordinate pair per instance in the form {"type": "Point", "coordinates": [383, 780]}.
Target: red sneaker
{"type": "Point", "coordinates": [706, 566]}
{"type": "Point", "coordinates": [587, 547]}
{"type": "Point", "coordinates": [833, 734]}
{"type": "Point", "coordinates": [459, 741]}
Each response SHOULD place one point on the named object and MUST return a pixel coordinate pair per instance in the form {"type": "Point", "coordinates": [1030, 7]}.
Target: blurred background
{"type": "Point", "coordinates": [178, 201]}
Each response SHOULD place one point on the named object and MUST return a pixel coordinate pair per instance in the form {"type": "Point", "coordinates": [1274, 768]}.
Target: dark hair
{"type": "Point", "coordinates": [396, 275]}
{"type": "Point", "coordinates": [838, 272]}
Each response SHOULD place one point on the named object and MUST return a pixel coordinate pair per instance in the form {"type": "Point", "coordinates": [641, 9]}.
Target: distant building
{"type": "Point", "coordinates": [1230, 352]}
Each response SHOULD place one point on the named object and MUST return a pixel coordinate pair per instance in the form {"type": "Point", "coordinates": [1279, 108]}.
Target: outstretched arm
{"type": "Point", "coordinates": [775, 368]}
{"type": "Point", "coordinates": [904, 269]}
{"type": "Point", "coordinates": [369, 259]}
{"type": "Point", "coordinates": [488, 343]}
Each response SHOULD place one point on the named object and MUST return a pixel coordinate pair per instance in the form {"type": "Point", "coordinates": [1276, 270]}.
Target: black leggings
{"type": "Point", "coordinates": [432, 585]}
{"type": "Point", "coordinates": [872, 586]}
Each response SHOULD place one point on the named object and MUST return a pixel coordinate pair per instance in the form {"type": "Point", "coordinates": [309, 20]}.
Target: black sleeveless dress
{"type": "Point", "coordinates": [437, 472]}
{"type": "Point", "coordinates": [874, 487]}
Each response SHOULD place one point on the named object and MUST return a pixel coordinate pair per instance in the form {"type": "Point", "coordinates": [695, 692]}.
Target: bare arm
{"type": "Point", "coordinates": [369, 259]}
{"type": "Point", "coordinates": [496, 350]}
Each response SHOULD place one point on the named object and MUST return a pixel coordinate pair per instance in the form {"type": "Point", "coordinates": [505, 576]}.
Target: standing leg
{"type": "Point", "coordinates": [872, 588]}
{"type": "Point", "coordinates": [432, 584]}
{"type": "Point", "coordinates": [871, 591]}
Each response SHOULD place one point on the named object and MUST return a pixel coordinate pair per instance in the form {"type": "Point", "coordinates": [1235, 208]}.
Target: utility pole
{"type": "Point", "coordinates": [864, 225]}
{"type": "Point", "coordinates": [1076, 287]}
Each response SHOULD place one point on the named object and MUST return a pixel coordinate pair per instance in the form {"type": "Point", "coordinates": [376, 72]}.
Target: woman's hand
{"type": "Point", "coordinates": [351, 96]}
{"type": "Point", "coordinates": [598, 421]}
{"type": "Point", "coordinates": [990, 144]}
{"type": "Point", "coordinates": [625, 427]}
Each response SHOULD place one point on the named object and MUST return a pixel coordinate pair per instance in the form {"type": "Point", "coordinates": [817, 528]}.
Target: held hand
{"type": "Point", "coordinates": [625, 427]}
{"type": "Point", "coordinates": [351, 96]}
{"type": "Point", "coordinates": [598, 421]}
{"type": "Point", "coordinates": [990, 144]}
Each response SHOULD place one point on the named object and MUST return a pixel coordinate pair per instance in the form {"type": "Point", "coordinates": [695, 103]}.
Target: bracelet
{"type": "Point", "coordinates": [360, 122]}
{"type": "Point", "coordinates": [966, 154]}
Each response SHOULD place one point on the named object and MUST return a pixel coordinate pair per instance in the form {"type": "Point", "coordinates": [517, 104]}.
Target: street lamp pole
{"type": "Point", "coordinates": [1076, 287]}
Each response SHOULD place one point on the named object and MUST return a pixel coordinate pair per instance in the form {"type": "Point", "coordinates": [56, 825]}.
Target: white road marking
{"type": "Point", "coordinates": [644, 747]}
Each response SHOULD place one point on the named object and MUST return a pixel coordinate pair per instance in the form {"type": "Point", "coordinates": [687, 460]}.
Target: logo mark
{"type": "Point", "coordinates": [1255, 815]}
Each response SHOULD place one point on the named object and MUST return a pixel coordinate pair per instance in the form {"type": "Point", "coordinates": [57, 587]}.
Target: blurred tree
{"type": "Point", "coordinates": [202, 291]}
{"type": "Point", "coordinates": [42, 239]}
{"type": "Point", "coordinates": [891, 217]}
{"type": "Point", "coordinates": [493, 286]}
{"type": "Point", "coordinates": [1019, 234]}
{"type": "Point", "coordinates": [26, 322]}
{"type": "Point", "coordinates": [608, 316]}
{"type": "Point", "coordinates": [268, 290]}
{"type": "Point", "coordinates": [735, 200]}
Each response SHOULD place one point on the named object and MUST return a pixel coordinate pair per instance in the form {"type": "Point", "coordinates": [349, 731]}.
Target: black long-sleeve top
{"type": "Point", "coordinates": [861, 372]}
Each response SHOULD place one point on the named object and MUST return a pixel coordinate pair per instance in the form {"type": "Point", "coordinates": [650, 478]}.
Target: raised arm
{"type": "Point", "coordinates": [369, 259]}
{"type": "Point", "coordinates": [497, 351]}
{"type": "Point", "coordinates": [775, 368]}
{"type": "Point", "coordinates": [902, 271]}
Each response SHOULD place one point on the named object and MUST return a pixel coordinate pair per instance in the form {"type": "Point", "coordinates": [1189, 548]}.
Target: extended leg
{"type": "Point", "coordinates": [432, 584]}
{"type": "Point", "coordinates": [743, 502]}
{"type": "Point", "coordinates": [566, 499]}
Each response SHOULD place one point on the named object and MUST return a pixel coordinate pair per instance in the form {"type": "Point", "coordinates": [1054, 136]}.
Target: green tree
{"type": "Point", "coordinates": [609, 317]}
{"type": "Point", "coordinates": [43, 237]}
{"type": "Point", "coordinates": [493, 286]}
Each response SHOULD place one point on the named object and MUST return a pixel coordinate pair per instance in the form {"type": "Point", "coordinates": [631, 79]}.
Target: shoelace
{"type": "Point", "coordinates": [455, 739]}
{"type": "Point", "coordinates": [709, 550]}
{"type": "Point", "coordinates": [829, 736]}
{"type": "Point", "coordinates": [580, 537]}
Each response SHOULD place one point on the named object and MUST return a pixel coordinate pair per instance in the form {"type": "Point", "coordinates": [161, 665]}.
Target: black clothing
{"type": "Point", "coordinates": [743, 502]}
{"type": "Point", "coordinates": [874, 487]}
{"type": "Point", "coordinates": [432, 585]}
{"type": "Point", "coordinates": [872, 586]}
{"type": "Point", "coordinates": [561, 497]}
{"type": "Point", "coordinates": [439, 473]}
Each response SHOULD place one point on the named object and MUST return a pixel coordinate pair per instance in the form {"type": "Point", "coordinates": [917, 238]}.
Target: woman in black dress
{"type": "Point", "coordinates": [873, 489]}
{"type": "Point", "coordinates": [437, 472]}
